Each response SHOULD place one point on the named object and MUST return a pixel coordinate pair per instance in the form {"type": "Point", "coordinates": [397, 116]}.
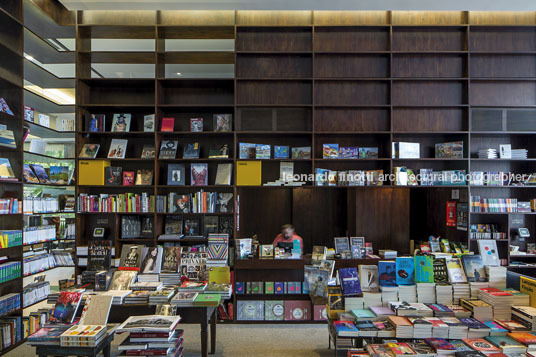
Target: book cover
{"type": "Point", "coordinates": [281, 152]}
{"type": "Point", "coordinates": [503, 342]}
{"type": "Point", "coordinates": [349, 152]}
{"type": "Point", "coordinates": [148, 152]}
{"type": "Point", "coordinates": [222, 122]}
{"type": "Point", "coordinates": [474, 268]}
{"type": "Point", "coordinates": [488, 252]}
{"type": "Point", "coordinates": [7, 139]}
{"type": "Point", "coordinates": [297, 310]}
{"type": "Point", "coordinates": [29, 175]}
{"type": "Point", "coordinates": [113, 175]}
{"type": "Point", "coordinates": [196, 124]}
{"type": "Point", "coordinates": [210, 225]}
{"type": "Point", "coordinates": [368, 153]}
{"type": "Point", "coordinates": [173, 225]}
{"type": "Point", "coordinates": [65, 309]}
{"type": "Point", "coordinates": [191, 151]}
{"type": "Point", "coordinates": [440, 344]}
{"type": "Point", "coordinates": [247, 150]}
{"type": "Point", "coordinates": [274, 310]}
{"type": "Point", "coordinates": [262, 151]}
{"type": "Point", "coordinates": [341, 244]}
{"type": "Point", "coordinates": [144, 177]}
{"type": "Point", "coordinates": [96, 310]}
{"type": "Point", "coordinates": [387, 273]}
{"type": "Point", "coordinates": [223, 174]}
{"type": "Point", "coordinates": [455, 271]}
{"type": "Point", "coordinates": [59, 175]}
{"type": "Point", "coordinates": [168, 149]}
{"type": "Point", "coordinates": [167, 125]}
{"type": "Point", "coordinates": [118, 148]}
{"type": "Point", "coordinates": [345, 329]}
{"type": "Point", "coordinates": [191, 227]}
{"type": "Point", "coordinates": [424, 270]}
{"type": "Point", "coordinates": [128, 178]}
{"type": "Point", "coordinates": [350, 283]}
{"type": "Point", "coordinates": [150, 323]}
{"type": "Point", "coordinates": [440, 271]}
{"type": "Point", "coordinates": [40, 173]}
{"type": "Point", "coordinates": [226, 224]}
{"type": "Point", "coordinates": [99, 255]}
{"type": "Point", "coordinates": [330, 151]}
{"type": "Point", "coordinates": [248, 173]}
{"type": "Point", "coordinates": [176, 175]}
{"type": "Point", "coordinates": [368, 275]}
{"type": "Point", "coordinates": [218, 151]}
{"type": "Point", "coordinates": [130, 257]}
{"type": "Point", "coordinates": [408, 150]}
{"type": "Point", "coordinates": [405, 271]}
{"type": "Point", "coordinates": [95, 123]}
{"type": "Point", "coordinates": [121, 122]}
{"type": "Point", "coordinates": [301, 153]}
{"type": "Point", "coordinates": [249, 310]}
{"type": "Point", "coordinates": [199, 174]}
{"type": "Point", "coordinates": [481, 345]}
{"type": "Point", "coordinates": [29, 113]}
{"type": "Point", "coordinates": [151, 260]}
{"type": "Point", "coordinates": [89, 151]}
{"type": "Point", "coordinates": [148, 123]}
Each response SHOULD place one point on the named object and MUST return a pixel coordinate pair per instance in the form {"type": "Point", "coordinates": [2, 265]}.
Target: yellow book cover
{"type": "Point", "coordinates": [248, 173]}
{"type": "Point", "coordinates": [91, 172]}
{"type": "Point", "coordinates": [219, 275]}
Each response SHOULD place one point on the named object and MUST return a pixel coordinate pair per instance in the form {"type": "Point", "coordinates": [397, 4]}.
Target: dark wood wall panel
{"type": "Point", "coordinates": [351, 120]}
{"type": "Point", "coordinates": [382, 216]}
{"type": "Point", "coordinates": [497, 66]}
{"type": "Point", "coordinates": [352, 93]}
{"type": "Point", "coordinates": [350, 65]}
{"type": "Point", "coordinates": [274, 92]}
{"type": "Point", "coordinates": [196, 92]}
{"type": "Point", "coordinates": [429, 93]}
{"type": "Point", "coordinates": [340, 39]}
{"type": "Point", "coordinates": [503, 39]}
{"type": "Point", "coordinates": [273, 39]}
{"type": "Point", "coordinates": [429, 119]}
{"type": "Point", "coordinates": [319, 215]}
{"type": "Point", "coordinates": [134, 95]}
{"type": "Point", "coordinates": [424, 65]}
{"type": "Point", "coordinates": [497, 93]}
{"type": "Point", "coordinates": [274, 66]}
{"type": "Point", "coordinates": [273, 119]}
{"type": "Point", "coordinates": [428, 39]}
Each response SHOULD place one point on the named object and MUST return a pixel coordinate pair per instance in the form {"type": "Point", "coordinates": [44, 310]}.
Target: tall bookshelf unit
{"type": "Point", "coordinates": [11, 90]}
{"type": "Point", "coordinates": [305, 78]}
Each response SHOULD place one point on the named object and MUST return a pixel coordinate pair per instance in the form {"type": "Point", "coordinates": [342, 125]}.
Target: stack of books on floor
{"type": "Point", "coordinates": [152, 335]}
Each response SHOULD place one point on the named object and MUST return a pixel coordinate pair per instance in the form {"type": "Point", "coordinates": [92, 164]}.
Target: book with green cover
{"type": "Point", "coordinates": [363, 314]}
{"type": "Point", "coordinates": [269, 287]}
{"type": "Point", "coordinates": [274, 310]}
{"type": "Point", "coordinates": [505, 343]}
{"type": "Point", "coordinates": [207, 300]}
{"type": "Point", "coordinates": [424, 270]}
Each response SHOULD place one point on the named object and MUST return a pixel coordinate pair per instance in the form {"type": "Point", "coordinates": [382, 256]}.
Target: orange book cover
{"type": "Point", "coordinates": [523, 337]}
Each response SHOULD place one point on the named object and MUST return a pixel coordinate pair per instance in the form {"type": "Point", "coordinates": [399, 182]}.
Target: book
{"type": "Point", "coordinates": [96, 310]}
{"type": "Point", "coordinates": [330, 151]}
{"type": "Point", "coordinates": [342, 244]}
{"type": "Point", "coordinates": [29, 113]}
{"type": "Point", "coordinates": [150, 323]}
{"type": "Point", "coordinates": [249, 310]}
{"type": "Point", "coordinates": [176, 175]}
{"type": "Point", "coordinates": [121, 122]}
{"type": "Point", "coordinates": [262, 152]}
{"type": "Point", "coordinates": [148, 152]}
{"type": "Point", "coordinates": [144, 177]}
{"type": "Point", "coordinates": [29, 175]}
{"type": "Point", "coordinates": [350, 283]}
{"type": "Point", "coordinates": [65, 309]}
{"type": "Point", "coordinates": [474, 268]}
{"type": "Point", "coordinates": [248, 173]}
{"type": "Point", "coordinates": [405, 271]}
{"type": "Point", "coordinates": [167, 124]}
{"type": "Point", "coordinates": [345, 329]}
{"type": "Point", "coordinates": [40, 173]}
{"type": "Point", "coordinates": [148, 123]}
{"type": "Point", "coordinates": [210, 224]}
{"type": "Point", "coordinates": [451, 150]}
{"type": "Point", "coordinates": [173, 225]}
{"type": "Point", "coordinates": [455, 271]}
{"type": "Point", "coordinates": [281, 152]}
{"type": "Point", "coordinates": [171, 258]}
{"type": "Point", "coordinates": [89, 151]}
{"type": "Point", "coordinates": [113, 175]}
{"type": "Point", "coordinates": [128, 178]}
{"type": "Point", "coordinates": [99, 254]}
{"type": "Point", "coordinates": [122, 279]}
{"type": "Point", "coordinates": [59, 175]}
{"type": "Point", "coordinates": [368, 276]}
{"type": "Point", "coordinates": [196, 124]}
{"type": "Point", "coordinates": [7, 139]}
{"type": "Point", "coordinates": [297, 310]}
{"type": "Point", "coordinates": [387, 273]}
{"type": "Point", "coordinates": [222, 122]}
{"type": "Point", "coordinates": [489, 252]}
{"type": "Point", "coordinates": [6, 172]}
{"type": "Point", "coordinates": [4, 107]}
{"type": "Point", "coordinates": [424, 270]}
{"type": "Point", "coordinates": [368, 153]}
{"type": "Point", "coordinates": [95, 123]}
{"type": "Point", "coordinates": [198, 174]}
{"type": "Point", "coordinates": [151, 260]}
{"type": "Point", "coordinates": [218, 151]}
{"type": "Point", "coordinates": [168, 149]}
{"type": "Point", "coordinates": [440, 271]}
{"type": "Point", "coordinates": [301, 153]}
{"type": "Point", "coordinates": [130, 257]}
{"type": "Point", "coordinates": [191, 151]}
{"type": "Point", "coordinates": [223, 174]}
{"type": "Point", "coordinates": [191, 227]}
{"type": "Point", "coordinates": [118, 148]}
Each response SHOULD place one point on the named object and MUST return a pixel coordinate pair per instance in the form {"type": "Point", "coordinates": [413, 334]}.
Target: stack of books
{"type": "Point", "coordinates": [153, 335]}
{"type": "Point", "coordinates": [439, 328]}
{"type": "Point", "coordinates": [161, 296]}
{"type": "Point", "coordinates": [460, 291]}
{"type": "Point", "coordinates": [501, 302]}
{"type": "Point", "coordinates": [480, 310]}
{"type": "Point", "coordinates": [477, 329]}
{"type": "Point", "coordinates": [184, 298]}
{"type": "Point", "coordinates": [441, 310]}
{"type": "Point", "coordinates": [457, 330]}
{"type": "Point", "coordinates": [403, 327]}
{"type": "Point", "coordinates": [389, 294]}
{"type": "Point", "coordinates": [496, 276]}
{"type": "Point", "coordinates": [444, 294]}
{"type": "Point", "coordinates": [488, 154]}
{"type": "Point", "coordinates": [407, 293]}
{"type": "Point", "coordinates": [459, 311]}
{"type": "Point", "coordinates": [525, 315]}
{"type": "Point", "coordinates": [519, 154]}
{"type": "Point", "coordinates": [168, 279]}
{"type": "Point", "coordinates": [475, 288]}
{"type": "Point", "coordinates": [372, 299]}
{"type": "Point", "coordinates": [520, 299]}
{"type": "Point", "coordinates": [422, 328]}
{"type": "Point", "coordinates": [138, 297]}
{"type": "Point", "coordinates": [426, 293]}
{"type": "Point", "coordinates": [151, 286]}
{"type": "Point", "coordinates": [382, 312]}
{"type": "Point", "coordinates": [83, 336]}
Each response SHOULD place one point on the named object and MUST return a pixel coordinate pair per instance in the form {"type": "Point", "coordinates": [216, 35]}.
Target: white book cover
{"type": "Point", "coordinates": [368, 276]}
{"type": "Point", "coordinates": [117, 150]}
{"type": "Point", "coordinates": [488, 252]}
{"type": "Point", "coordinates": [409, 150]}
{"type": "Point", "coordinates": [38, 146]}
{"type": "Point", "coordinates": [286, 171]}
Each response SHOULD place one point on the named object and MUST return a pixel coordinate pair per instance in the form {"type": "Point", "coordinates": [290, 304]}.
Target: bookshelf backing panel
{"type": "Point", "coordinates": [285, 39]}
{"type": "Point", "coordinates": [351, 120]}
{"type": "Point", "coordinates": [429, 66]}
{"type": "Point", "coordinates": [429, 119]}
{"type": "Point", "coordinates": [498, 93]}
{"type": "Point", "coordinates": [273, 119]}
{"type": "Point", "coordinates": [418, 93]}
{"type": "Point", "coordinates": [428, 39]}
{"type": "Point", "coordinates": [352, 93]}
{"type": "Point", "coordinates": [196, 92]}
{"type": "Point", "coordinates": [497, 66]}
{"type": "Point", "coordinates": [351, 65]}
{"type": "Point", "coordinates": [502, 39]}
{"type": "Point", "coordinates": [273, 66]}
{"type": "Point", "coordinates": [274, 92]}
{"type": "Point", "coordinates": [520, 120]}
{"type": "Point", "coordinates": [351, 39]}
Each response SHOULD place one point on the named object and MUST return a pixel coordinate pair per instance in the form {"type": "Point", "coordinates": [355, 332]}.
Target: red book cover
{"type": "Point", "coordinates": [297, 310]}
{"type": "Point", "coordinates": [128, 178]}
{"type": "Point", "coordinates": [320, 313]}
{"type": "Point", "coordinates": [167, 124]}
{"type": "Point", "coordinates": [230, 310]}
{"type": "Point", "coordinates": [480, 345]}
{"type": "Point", "coordinates": [525, 338]}
{"type": "Point", "coordinates": [451, 213]}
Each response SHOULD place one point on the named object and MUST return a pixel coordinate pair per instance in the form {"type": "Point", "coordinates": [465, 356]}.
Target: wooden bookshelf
{"type": "Point", "coordinates": [363, 79]}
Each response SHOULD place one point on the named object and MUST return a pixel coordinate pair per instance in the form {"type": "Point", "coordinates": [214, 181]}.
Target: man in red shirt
{"type": "Point", "coordinates": [288, 235]}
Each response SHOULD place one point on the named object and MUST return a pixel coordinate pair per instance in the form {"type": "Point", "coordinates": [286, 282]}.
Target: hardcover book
{"type": "Point", "coordinates": [368, 275]}
{"type": "Point", "coordinates": [40, 173]}
{"type": "Point", "coordinates": [150, 323]}
{"type": "Point", "coordinates": [262, 151]}
{"type": "Point", "coordinates": [368, 153]}
{"type": "Point", "coordinates": [113, 175]}
{"type": "Point", "coordinates": [451, 150]}
{"type": "Point", "coordinates": [168, 149]}
{"type": "Point", "coordinates": [247, 150]}
{"type": "Point", "coordinates": [99, 254]}
{"type": "Point", "coordinates": [29, 113]}
{"type": "Point", "coordinates": [196, 124]}
{"type": "Point", "coordinates": [89, 151]}
{"type": "Point", "coordinates": [297, 310]}
{"type": "Point", "coordinates": [281, 152]}
{"type": "Point", "coordinates": [249, 310]}
{"type": "Point", "coordinates": [144, 177]}
{"type": "Point", "coordinates": [226, 224]}
{"type": "Point", "coordinates": [440, 271]}
{"type": "Point", "coordinates": [405, 271]}
{"type": "Point", "coordinates": [199, 174]}
{"type": "Point", "coordinates": [342, 244]}
{"type": "Point", "coordinates": [455, 271]}
{"type": "Point", "coordinates": [151, 260]}
{"type": "Point", "coordinates": [349, 279]}
{"type": "Point", "coordinates": [474, 268]}
{"type": "Point", "coordinates": [121, 122]}
{"type": "Point", "coordinates": [191, 226]}
{"type": "Point", "coordinates": [349, 152]}
{"type": "Point", "coordinates": [59, 175]}
{"type": "Point", "coordinates": [130, 257]}
{"type": "Point", "coordinates": [167, 124]}
{"type": "Point", "coordinates": [176, 175]}
{"type": "Point", "coordinates": [424, 270]}
{"type": "Point", "coordinates": [222, 122]}
{"type": "Point", "coordinates": [218, 151]}
{"type": "Point", "coordinates": [191, 151]}
{"type": "Point", "coordinates": [29, 175]}
{"type": "Point", "coordinates": [128, 178]}
{"type": "Point", "coordinates": [148, 123]}
{"type": "Point", "coordinates": [488, 252]}
{"type": "Point", "coordinates": [223, 175]}
{"type": "Point", "coordinates": [148, 152]}
{"type": "Point", "coordinates": [95, 122]}
{"type": "Point", "coordinates": [330, 151]}
{"type": "Point", "coordinates": [387, 273]}
{"type": "Point", "coordinates": [65, 309]}
{"type": "Point", "coordinates": [173, 225]}
{"type": "Point", "coordinates": [301, 153]}
{"type": "Point", "coordinates": [274, 310]}
{"type": "Point", "coordinates": [118, 148]}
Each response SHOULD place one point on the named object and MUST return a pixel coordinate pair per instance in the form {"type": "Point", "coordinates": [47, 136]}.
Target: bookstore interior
{"type": "Point", "coordinates": [308, 182]}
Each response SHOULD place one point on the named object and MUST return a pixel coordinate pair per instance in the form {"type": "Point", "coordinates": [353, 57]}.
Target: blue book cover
{"type": "Point", "coordinates": [405, 271]}
{"type": "Point", "coordinates": [305, 288]}
{"type": "Point", "coordinates": [349, 281]}
{"type": "Point", "coordinates": [279, 287]}
{"type": "Point", "coordinates": [281, 152]}
{"type": "Point", "coordinates": [387, 273]}
{"type": "Point", "coordinates": [424, 270]}
{"type": "Point", "coordinates": [239, 286]}
{"type": "Point", "coordinates": [349, 152]}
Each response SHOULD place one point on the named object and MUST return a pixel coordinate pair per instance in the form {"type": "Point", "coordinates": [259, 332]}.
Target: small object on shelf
{"type": "Point", "coordinates": [148, 152]}
{"type": "Point", "coordinates": [113, 175]}
{"type": "Point", "coordinates": [128, 178]}
{"type": "Point", "coordinates": [95, 123]}
{"type": "Point", "coordinates": [144, 177]}
{"type": "Point", "coordinates": [222, 122]}
{"type": "Point", "coordinates": [148, 123]}
{"type": "Point", "coordinates": [29, 113]}
{"type": "Point", "coordinates": [168, 149]}
{"type": "Point", "coordinates": [118, 149]}
{"type": "Point", "coordinates": [89, 151]}
{"type": "Point", "coordinates": [176, 174]}
{"type": "Point", "coordinates": [301, 153]}
{"type": "Point", "coordinates": [121, 123]}
{"type": "Point", "coordinates": [199, 174]}
{"type": "Point", "coordinates": [281, 152]}
{"type": "Point", "coordinates": [368, 153]}
{"type": "Point", "coordinates": [168, 125]}
{"type": "Point", "coordinates": [191, 151]}
{"type": "Point", "coordinates": [196, 125]}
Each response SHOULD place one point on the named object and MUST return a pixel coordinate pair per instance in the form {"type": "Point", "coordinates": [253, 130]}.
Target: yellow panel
{"type": "Point", "coordinates": [502, 17]}
{"type": "Point", "coordinates": [350, 18]}
{"type": "Point", "coordinates": [132, 18]}
{"type": "Point", "coordinates": [219, 275]}
{"type": "Point", "coordinates": [248, 173]}
{"type": "Point", "coordinates": [429, 17]}
{"type": "Point", "coordinates": [91, 172]}
{"type": "Point", "coordinates": [528, 286]}
{"type": "Point", "coordinates": [274, 18]}
{"type": "Point", "coordinates": [197, 18]}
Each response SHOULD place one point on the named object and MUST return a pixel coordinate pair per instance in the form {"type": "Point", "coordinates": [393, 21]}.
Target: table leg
{"type": "Point", "coordinates": [204, 335]}
{"type": "Point", "coordinates": [213, 332]}
{"type": "Point", "coordinates": [107, 351]}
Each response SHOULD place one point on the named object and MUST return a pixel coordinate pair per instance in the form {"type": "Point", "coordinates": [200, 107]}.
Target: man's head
{"type": "Point", "coordinates": [287, 230]}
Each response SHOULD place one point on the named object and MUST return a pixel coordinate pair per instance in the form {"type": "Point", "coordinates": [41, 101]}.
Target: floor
{"type": "Point", "coordinates": [246, 340]}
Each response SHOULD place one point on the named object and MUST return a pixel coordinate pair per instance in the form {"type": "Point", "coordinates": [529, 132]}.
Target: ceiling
{"type": "Point", "coordinates": [456, 5]}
